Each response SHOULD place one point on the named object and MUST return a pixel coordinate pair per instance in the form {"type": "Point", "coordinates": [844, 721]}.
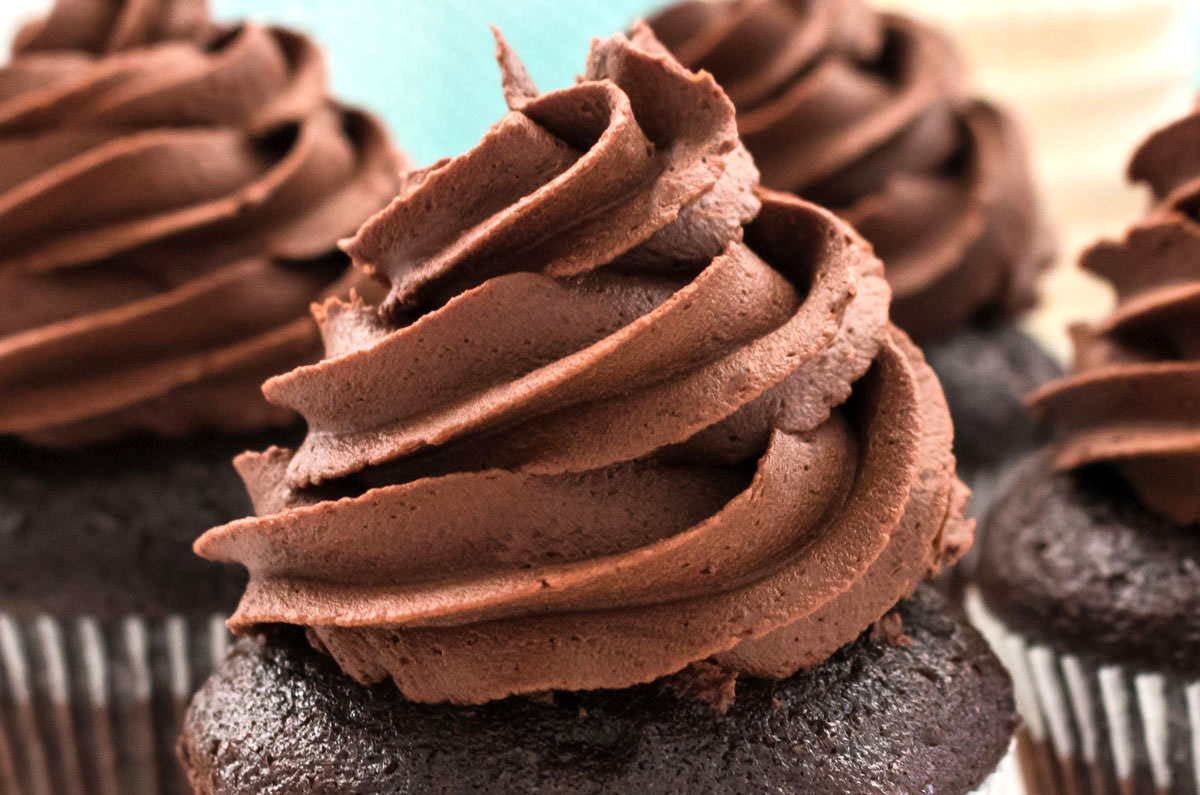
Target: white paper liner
{"type": "Point", "coordinates": [95, 707]}
{"type": "Point", "coordinates": [1096, 728]}
{"type": "Point", "coordinates": [1006, 779]}
{"type": "Point", "coordinates": [90, 707]}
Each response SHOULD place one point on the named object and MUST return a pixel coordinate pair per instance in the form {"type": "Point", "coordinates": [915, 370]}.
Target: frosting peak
{"type": "Point", "coordinates": [171, 194]}
{"type": "Point", "coordinates": [599, 172]}
{"type": "Point", "coordinates": [622, 412]}
{"type": "Point", "coordinates": [867, 114]}
{"type": "Point", "coordinates": [1134, 398]}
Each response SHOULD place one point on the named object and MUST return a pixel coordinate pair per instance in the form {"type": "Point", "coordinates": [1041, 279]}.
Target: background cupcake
{"type": "Point", "coordinates": [623, 423]}
{"type": "Point", "coordinates": [1090, 583]}
{"type": "Point", "coordinates": [869, 114]}
{"type": "Point", "coordinates": [171, 193]}
{"type": "Point", "coordinates": [1088, 79]}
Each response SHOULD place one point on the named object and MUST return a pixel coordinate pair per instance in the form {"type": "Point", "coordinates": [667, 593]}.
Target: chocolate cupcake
{"type": "Point", "coordinates": [629, 441]}
{"type": "Point", "coordinates": [171, 195]}
{"type": "Point", "coordinates": [918, 713]}
{"type": "Point", "coordinates": [868, 114]}
{"type": "Point", "coordinates": [1091, 579]}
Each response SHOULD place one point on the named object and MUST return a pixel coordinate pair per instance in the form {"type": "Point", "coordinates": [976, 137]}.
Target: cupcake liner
{"type": "Point", "coordinates": [1005, 779]}
{"type": "Point", "coordinates": [94, 707]}
{"type": "Point", "coordinates": [1092, 727]}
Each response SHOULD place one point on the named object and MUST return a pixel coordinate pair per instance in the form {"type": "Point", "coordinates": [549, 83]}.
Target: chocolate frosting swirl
{"type": "Point", "coordinates": [867, 114]}
{"type": "Point", "coordinates": [1134, 397]}
{"type": "Point", "coordinates": [171, 195]}
{"type": "Point", "coordinates": [600, 430]}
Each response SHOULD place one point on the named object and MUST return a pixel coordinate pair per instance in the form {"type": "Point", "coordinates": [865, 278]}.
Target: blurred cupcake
{"type": "Point", "coordinates": [1090, 583]}
{"type": "Point", "coordinates": [171, 194]}
{"type": "Point", "coordinates": [1088, 78]}
{"type": "Point", "coordinates": [868, 115]}
{"type": "Point", "coordinates": [628, 445]}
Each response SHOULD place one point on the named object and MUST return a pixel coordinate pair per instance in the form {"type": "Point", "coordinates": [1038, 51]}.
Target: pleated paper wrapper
{"type": "Point", "coordinates": [94, 707]}
{"type": "Point", "coordinates": [1092, 727]}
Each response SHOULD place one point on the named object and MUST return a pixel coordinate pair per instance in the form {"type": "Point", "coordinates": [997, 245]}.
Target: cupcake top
{"type": "Point", "coordinates": [171, 194]}
{"type": "Point", "coordinates": [621, 412]}
{"type": "Point", "coordinates": [1134, 399]}
{"type": "Point", "coordinates": [867, 113]}
{"type": "Point", "coordinates": [1095, 548]}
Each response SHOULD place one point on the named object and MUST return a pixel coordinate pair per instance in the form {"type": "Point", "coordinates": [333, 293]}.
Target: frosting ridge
{"type": "Point", "coordinates": [867, 113]}
{"type": "Point", "coordinates": [217, 177]}
{"type": "Point", "coordinates": [1134, 396]}
{"type": "Point", "coordinates": [567, 452]}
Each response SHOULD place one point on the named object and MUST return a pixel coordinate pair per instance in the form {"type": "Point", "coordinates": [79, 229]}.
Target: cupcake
{"type": "Point", "coordinates": [1090, 586]}
{"type": "Point", "coordinates": [1088, 78]}
{"type": "Point", "coordinates": [868, 114]}
{"type": "Point", "coordinates": [616, 490]}
{"type": "Point", "coordinates": [171, 195]}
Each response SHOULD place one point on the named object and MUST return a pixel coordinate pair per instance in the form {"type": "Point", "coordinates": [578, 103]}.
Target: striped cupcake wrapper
{"type": "Point", "coordinates": [93, 707]}
{"type": "Point", "coordinates": [1005, 779]}
{"type": "Point", "coordinates": [1092, 728]}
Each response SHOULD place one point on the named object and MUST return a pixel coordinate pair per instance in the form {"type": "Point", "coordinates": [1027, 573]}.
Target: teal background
{"type": "Point", "coordinates": [427, 66]}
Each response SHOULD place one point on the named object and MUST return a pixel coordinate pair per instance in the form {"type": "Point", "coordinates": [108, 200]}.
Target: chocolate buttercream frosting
{"type": "Point", "coordinates": [868, 114]}
{"type": "Point", "coordinates": [1133, 400]}
{"type": "Point", "coordinates": [171, 195]}
{"type": "Point", "coordinates": [622, 411]}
